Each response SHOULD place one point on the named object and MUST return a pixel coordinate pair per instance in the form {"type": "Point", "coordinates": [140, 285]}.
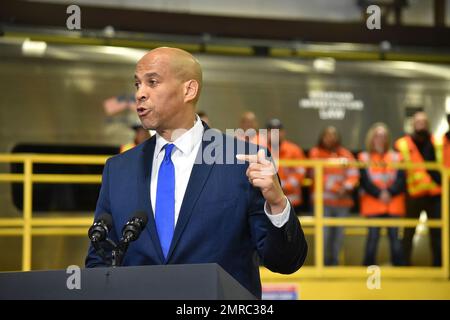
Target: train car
{"type": "Point", "coordinates": [54, 100]}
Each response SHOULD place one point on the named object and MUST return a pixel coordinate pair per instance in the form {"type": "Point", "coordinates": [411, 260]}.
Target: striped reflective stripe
{"type": "Point", "coordinates": [416, 175]}
{"type": "Point", "coordinates": [329, 195]}
{"type": "Point", "coordinates": [404, 149]}
{"type": "Point", "coordinates": [438, 143]}
{"type": "Point", "coordinates": [331, 181]}
{"type": "Point", "coordinates": [382, 175]}
{"type": "Point", "coordinates": [420, 187]}
{"type": "Point", "coordinates": [290, 171]}
{"type": "Point", "coordinates": [293, 181]}
{"type": "Point", "coordinates": [385, 177]}
{"type": "Point", "coordinates": [364, 156]}
{"type": "Point", "coordinates": [300, 170]}
{"type": "Point", "coordinates": [335, 176]}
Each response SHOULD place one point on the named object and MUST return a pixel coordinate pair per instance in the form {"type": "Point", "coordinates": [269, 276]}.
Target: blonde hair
{"type": "Point", "coordinates": [371, 134]}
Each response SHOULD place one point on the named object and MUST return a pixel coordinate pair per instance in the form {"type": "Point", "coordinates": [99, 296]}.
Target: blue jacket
{"type": "Point", "coordinates": [221, 219]}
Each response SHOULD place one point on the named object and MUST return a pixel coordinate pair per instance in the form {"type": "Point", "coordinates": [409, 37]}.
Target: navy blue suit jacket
{"type": "Point", "coordinates": [221, 220]}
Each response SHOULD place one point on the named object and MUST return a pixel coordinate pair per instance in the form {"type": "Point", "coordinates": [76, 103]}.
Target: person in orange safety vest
{"type": "Point", "coordinates": [446, 146]}
{"type": "Point", "coordinates": [339, 183]}
{"type": "Point", "coordinates": [283, 149]}
{"type": "Point", "coordinates": [382, 192]}
{"type": "Point", "coordinates": [424, 186]}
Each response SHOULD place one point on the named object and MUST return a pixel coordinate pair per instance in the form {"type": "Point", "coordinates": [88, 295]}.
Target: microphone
{"type": "Point", "coordinates": [98, 234]}
{"type": "Point", "coordinates": [130, 232]}
{"type": "Point", "coordinates": [100, 228]}
{"type": "Point", "coordinates": [133, 228]}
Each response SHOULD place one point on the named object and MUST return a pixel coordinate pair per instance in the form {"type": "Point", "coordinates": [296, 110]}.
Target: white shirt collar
{"type": "Point", "coordinates": [186, 142]}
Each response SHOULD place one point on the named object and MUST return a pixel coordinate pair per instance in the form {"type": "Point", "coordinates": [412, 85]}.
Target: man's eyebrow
{"type": "Point", "coordinates": [152, 75]}
{"type": "Point", "coordinates": [148, 75]}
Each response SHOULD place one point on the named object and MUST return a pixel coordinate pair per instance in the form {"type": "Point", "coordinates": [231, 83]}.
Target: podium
{"type": "Point", "coordinates": [161, 282]}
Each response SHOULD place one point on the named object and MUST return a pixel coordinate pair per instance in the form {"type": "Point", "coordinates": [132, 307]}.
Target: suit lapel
{"type": "Point", "coordinates": [144, 196]}
{"type": "Point", "coordinates": [199, 176]}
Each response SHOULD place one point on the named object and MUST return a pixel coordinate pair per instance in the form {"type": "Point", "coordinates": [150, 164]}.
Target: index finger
{"type": "Point", "coordinates": [260, 157]}
{"type": "Point", "coordinates": [251, 158]}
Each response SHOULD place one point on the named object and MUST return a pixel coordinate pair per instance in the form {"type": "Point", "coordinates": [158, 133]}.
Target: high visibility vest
{"type": "Point", "coordinates": [438, 147]}
{"type": "Point", "coordinates": [336, 178]}
{"type": "Point", "coordinates": [383, 177]}
{"type": "Point", "coordinates": [418, 181]}
{"type": "Point", "coordinates": [446, 151]}
{"type": "Point", "coordinates": [291, 177]}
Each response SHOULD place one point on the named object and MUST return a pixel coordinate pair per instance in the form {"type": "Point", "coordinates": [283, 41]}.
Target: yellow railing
{"type": "Point", "coordinates": [29, 226]}
{"type": "Point", "coordinates": [319, 222]}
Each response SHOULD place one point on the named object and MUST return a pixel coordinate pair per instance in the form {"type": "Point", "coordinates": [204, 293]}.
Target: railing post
{"type": "Point", "coordinates": [318, 218]}
{"type": "Point", "coordinates": [27, 213]}
{"type": "Point", "coordinates": [445, 223]}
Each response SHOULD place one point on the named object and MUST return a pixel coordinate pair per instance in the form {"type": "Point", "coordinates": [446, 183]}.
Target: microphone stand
{"type": "Point", "coordinates": [98, 249]}
{"type": "Point", "coordinates": [119, 252]}
{"type": "Point", "coordinates": [130, 232]}
{"type": "Point", "coordinates": [117, 256]}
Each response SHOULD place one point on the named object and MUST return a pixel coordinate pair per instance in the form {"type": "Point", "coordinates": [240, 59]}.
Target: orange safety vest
{"type": "Point", "coordinates": [418, 180]}
{"type": "Point", "coordinates": [336, 178]}
{"type": "Point", "coordinates": [382, 177]}
{"type": "Point", "coordinates": [291, 177]}
{"type": "Point", "coordinates": [446, 151]}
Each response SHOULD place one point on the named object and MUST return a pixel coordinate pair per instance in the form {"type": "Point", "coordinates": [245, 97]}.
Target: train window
{"type": "Point", "coordinates": [65, 197]}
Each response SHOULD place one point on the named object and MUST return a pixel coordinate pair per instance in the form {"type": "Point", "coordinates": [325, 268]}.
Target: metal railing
{"type": "Point", "coordinates": [318, 222]}
{"type": "Point", "coordinates": [29, 226]}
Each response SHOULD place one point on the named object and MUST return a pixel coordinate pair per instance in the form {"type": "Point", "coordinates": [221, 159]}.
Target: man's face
{"type": "Point", "coordinates": [159, 93]}
{"type": "Point", "coordinates": [420, 122]}
{"type": "Point", "coordinates": [248, 121]}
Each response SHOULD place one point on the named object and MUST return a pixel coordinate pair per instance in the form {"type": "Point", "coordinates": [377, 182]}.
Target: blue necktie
{"type": "Point", "coordinates": [165, 200]}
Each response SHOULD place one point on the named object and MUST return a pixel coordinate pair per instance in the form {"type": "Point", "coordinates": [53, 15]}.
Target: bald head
{"type": "Point", "coordinates": [248, 121]}
{"type": "Point", "coordinates": [420, 122]}
{"type": "Point", "coordinates": [183, 65]}
{"type": "Point", "coordinates": [168, 83]}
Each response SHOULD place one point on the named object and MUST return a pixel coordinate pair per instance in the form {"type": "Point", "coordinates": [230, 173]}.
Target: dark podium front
{"type": "Point", "coordinates": [174, 282]}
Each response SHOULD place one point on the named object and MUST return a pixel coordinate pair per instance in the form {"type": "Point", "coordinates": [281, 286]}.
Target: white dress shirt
{"type": "Point", "coordinates": [183, 157]}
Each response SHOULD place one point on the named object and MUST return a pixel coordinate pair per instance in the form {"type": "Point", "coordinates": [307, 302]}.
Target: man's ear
{"type": "Point", "coordinates": [190, 90]}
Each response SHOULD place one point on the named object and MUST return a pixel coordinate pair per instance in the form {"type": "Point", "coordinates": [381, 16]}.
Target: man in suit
{"type": "Point", "coordinates": [234, 214]}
